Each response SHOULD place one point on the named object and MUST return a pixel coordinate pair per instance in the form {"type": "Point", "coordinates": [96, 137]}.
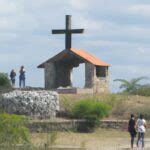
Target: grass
{"type": "Point", "coordinates": [131, 104]}
{"type": "Point", "coordinates": [101, 138]}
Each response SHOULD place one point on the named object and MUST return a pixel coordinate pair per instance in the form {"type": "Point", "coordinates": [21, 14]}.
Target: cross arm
{"type": "Point", "coordinates": [76, 31]}
{"type": "Point", "coordinates": [58, 31]}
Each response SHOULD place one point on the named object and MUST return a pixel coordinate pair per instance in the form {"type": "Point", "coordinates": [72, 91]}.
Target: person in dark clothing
{"type": "Point", "coordinates": [22, 77]}
{"type": "Point", "coordinates": [12, 77]}
{"type": "Point", "coordinates": [131, 129]}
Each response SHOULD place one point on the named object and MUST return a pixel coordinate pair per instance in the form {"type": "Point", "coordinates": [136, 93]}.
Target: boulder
{"type": "Point", "coordinates": [36, 104]}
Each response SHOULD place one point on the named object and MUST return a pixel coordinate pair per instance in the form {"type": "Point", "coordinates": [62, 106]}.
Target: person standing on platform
{"type": "Point", "coordinates": [12, 77]}
{"type": "Point", "coordinates": [22, 77]}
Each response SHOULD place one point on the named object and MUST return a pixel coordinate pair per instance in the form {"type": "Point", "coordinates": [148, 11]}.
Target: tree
{"type": "Point", "coordinates": [132, 85]}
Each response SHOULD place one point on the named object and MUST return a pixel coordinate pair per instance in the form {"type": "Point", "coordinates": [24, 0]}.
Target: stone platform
{"type": "Point", "coordinates": [75, 91]}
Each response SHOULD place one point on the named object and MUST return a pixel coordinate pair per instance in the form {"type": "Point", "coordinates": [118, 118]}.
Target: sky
{"type": "Point", "coordinates": [117, 31]}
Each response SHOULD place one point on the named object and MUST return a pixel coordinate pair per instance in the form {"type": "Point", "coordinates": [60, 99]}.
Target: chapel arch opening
{"type": "Point", "coordinates": [67, 68]}
{"type": "Point", "coordinates": [78, 76]}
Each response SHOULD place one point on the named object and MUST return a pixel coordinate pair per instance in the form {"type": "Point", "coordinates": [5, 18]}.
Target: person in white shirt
{"type": "Point", "coordinates": [141, 128]}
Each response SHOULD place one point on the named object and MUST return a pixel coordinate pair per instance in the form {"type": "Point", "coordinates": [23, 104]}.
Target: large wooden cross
{"type": "Point", "coordinates": [68, 32]}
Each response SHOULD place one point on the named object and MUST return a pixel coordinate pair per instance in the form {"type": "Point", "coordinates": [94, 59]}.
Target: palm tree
{"type": "Point", "coordinates": [132, 85]}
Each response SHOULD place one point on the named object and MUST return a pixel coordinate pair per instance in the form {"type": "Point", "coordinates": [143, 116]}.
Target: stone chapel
{"type": "Point", "coordinates": [58, 69]}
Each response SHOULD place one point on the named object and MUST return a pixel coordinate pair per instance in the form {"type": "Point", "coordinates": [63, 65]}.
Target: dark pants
{"type": "Point", "coordinates": [141, 137]}
{"type": "Point", "coordinates": [132, 134]}
{"type": "Point", "coordinates": [13, 82]}
{"type": "Point", "coordinates": [22, 82]}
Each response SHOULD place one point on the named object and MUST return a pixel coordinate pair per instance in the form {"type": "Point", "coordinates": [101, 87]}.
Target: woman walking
{"type": "Point", "coordinates": [131, 129]}
{"type": "Point", "coordinates": [141, 126]}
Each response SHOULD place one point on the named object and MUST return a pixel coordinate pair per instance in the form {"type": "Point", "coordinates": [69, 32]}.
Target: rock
{"type": "Point", "coordinates": [36, 104]}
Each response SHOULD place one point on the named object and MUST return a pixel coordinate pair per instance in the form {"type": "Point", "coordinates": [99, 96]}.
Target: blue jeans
{"type": "Point", "coordinates": [141, 135]}
{"type": "Point", "coordinates": [22, 82]}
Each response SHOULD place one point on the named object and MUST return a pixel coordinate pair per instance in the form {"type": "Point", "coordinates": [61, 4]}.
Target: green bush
{"type": "Point", "coordinates": [12, 129]}
{"type": "Point", "coordinates": [4, 82]}
{"type": "Point", "coordinates": [143, 90]}
{"type": "Point", "coordinates": [91, 111]}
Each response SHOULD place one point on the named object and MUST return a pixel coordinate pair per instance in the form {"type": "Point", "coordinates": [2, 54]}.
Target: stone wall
{"type": "Point", "coordinates": [50, 76]}
{"type": "Point", "coordinates": [35, 104]}
{"type": "Point", "coordinates": [89, 75]}
{"type": "Point", "coordinates": [101, 80]}
{"type": "Point", "coordinates": [99, 84]}
{"type": "Point", "coordinates": [66, 125]}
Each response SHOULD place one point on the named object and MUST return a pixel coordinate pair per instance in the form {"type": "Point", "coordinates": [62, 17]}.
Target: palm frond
{"type": "Point", "coordinates": [136, 80]}
{"type": "Point", "coordinates": [123, 81]}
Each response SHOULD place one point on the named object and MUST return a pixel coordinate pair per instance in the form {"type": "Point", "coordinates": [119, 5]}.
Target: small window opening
{"type": "Point", "coordinates": [101, 71]}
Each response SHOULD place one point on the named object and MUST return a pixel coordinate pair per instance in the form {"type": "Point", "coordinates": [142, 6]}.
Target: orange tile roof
{"type": "Point", "coordinates": [90, 58]}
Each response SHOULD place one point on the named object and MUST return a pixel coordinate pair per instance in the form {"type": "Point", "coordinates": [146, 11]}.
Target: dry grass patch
{"type": "Point", "coordinates": [100, 139]}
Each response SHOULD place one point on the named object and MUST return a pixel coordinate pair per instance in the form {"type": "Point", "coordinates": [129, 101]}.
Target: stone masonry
{"type": "Point", "coordinates": [98, 83]}
{"type": "Point", "coordinates": [36, 104]}
{"type": "Point", "coordinates": [50, 76]}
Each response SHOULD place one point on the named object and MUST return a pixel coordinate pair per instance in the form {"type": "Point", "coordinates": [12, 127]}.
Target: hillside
{"type": "Point", "coordinates": [122, 105]}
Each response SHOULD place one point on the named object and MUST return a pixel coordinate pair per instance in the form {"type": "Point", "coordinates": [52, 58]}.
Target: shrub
{"type": "Point", "coordinates": [12, 129]}
{"type": "Point", "coordinates": [4, 82]}
{"type": "Point", "coordinates": [91, 111]}
{"type": "Point", "coordinates": [143, 90]}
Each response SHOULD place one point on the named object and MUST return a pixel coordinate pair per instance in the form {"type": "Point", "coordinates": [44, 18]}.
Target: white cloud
{"type": "Point", "coordinates": [79, 4]}
{"type": "Point", "coordinates": [88, 23]}
{"type": "Point", "coordinates": [7, 37]}
{"type": "Point", "coordinates": [7, 23]}
{"type": "Point", "coordinates": [108, 42]}
{"type": "Point", "coordinates": [10, 58]}
{"type": "Point", "coordinates": [140, 9]}
{"type": "Point", "coordinates": [130, 71]}
{"type": "Point", "coordinates": [7, 7]}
